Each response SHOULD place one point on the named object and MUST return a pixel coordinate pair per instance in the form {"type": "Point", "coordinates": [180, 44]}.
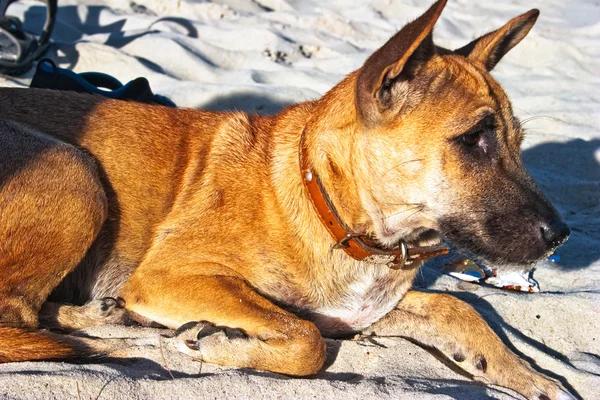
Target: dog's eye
{"type": "Point", "coordinates": [489, 122]}
{"type": "Point", "coordinates": [470, 139]}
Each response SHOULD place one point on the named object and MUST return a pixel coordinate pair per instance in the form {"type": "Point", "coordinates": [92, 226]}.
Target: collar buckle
{"type": "Point", "coordinates": [344, 242]}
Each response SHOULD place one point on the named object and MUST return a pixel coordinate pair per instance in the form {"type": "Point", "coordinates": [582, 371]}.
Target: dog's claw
{"type": "Point", "coordinates": [192, 345]}
{"type": "Point", "coordinates": [189, 338]}
{"type": "Point", "coordinates": [481, 364]}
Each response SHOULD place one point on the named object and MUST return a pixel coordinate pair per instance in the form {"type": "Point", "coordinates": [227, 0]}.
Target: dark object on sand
{"type": "Point", "coordinates": [49, 76]}
{"type": "Point", "coordinates": [19, 49]}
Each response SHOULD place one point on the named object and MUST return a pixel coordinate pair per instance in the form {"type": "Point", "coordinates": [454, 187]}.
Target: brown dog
{"type": "Point", "coordinates": [308, 223]}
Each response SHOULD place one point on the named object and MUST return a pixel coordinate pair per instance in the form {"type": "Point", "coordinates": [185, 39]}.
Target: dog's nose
{"type": "Point", "coordinates": [554, 232]}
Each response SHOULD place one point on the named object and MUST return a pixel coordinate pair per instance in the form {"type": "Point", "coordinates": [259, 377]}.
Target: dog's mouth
{"type": "Point", "coordinates": [389, 234]}
{"type": "Point", "coordinates": [422, 237]}
{"type": "Point", "coordinates": [427, 237]}
{"type": "Point", "coordinates": [505, 245]}
{"type": "Point", "coordinates": [499, 239]}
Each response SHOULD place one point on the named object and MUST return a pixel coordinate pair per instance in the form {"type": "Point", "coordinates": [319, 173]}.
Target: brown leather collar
{"type": "Point", "coordinates": [356, 245]}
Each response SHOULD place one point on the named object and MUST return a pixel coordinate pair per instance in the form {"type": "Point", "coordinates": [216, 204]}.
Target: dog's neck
{"type": "Point", "coordinates": [326, 152]}
{"type": "Point", "coordinates": [330, 148]}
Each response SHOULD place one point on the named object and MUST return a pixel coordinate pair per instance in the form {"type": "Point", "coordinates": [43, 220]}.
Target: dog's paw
{"type": "Point", "coordinates": [71, 318]}
{"type": "Point", "coordinates": [103, 311]}
{"type": "Point", "coordinates": [540, 387]}
{"type": "Point", "coordinates": [507, 370]}
{"type": "Point", "coordinates": [108, 306]}
{"type": "Point", "coordinates": [107, 310]}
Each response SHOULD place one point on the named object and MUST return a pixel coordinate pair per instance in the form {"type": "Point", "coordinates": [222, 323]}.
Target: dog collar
{"type": "Point", "coordinates": [358, 246]}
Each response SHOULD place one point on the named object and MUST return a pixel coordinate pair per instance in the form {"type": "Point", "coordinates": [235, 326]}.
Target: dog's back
{"type": "Point", "coordinates": [149, 159]}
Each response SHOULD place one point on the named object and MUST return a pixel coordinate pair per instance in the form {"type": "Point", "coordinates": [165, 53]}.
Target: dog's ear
{"type": "Point", "coordinates": [490, 48]}
{"type": "Point", "coordinates": [395, 60]}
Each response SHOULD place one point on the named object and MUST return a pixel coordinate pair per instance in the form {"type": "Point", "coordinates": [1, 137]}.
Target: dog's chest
{"type": "Point", "coordinates": [360, 302]}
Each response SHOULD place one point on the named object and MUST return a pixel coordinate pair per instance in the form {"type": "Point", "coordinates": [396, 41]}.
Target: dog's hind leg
{"type": "Point", "coordinates": [67, 317]}
{"type": "Point", "coordinates": [458, 331]}
{"type": "Point", "coordinates": [52, 206]}
{"type": "Point", "coordinates": [264, 336]}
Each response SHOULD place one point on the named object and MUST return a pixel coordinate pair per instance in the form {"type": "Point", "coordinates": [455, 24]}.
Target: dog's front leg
{"type": "Point", "coordinates": [457, 330]}
{"type": "Point", "coordinates": [267, 337]}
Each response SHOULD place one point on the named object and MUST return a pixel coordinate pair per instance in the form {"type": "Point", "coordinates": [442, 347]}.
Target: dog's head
{"type": "Point", "coordinates": [440, 147]}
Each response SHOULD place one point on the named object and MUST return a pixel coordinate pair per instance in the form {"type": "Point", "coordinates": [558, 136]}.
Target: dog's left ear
{"type": "Point", "coordinates": [395, 60]}
{"type": "Point", "coordinates": [490, 48]}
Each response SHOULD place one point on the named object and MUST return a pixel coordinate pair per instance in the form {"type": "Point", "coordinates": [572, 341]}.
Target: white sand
{"type": "Point", "coordinates": [260, 55]}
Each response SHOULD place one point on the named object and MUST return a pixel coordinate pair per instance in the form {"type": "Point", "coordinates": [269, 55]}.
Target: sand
{"type": "Point", "coordinates": [261, 55]}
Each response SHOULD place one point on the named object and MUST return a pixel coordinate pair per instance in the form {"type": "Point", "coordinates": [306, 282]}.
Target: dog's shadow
{"type": "Point", "coordinates": [136, 369]}
{"type": "Point", "coordinates": [569, 174]}
{"type": "Point", "coordinates": [252, 103]}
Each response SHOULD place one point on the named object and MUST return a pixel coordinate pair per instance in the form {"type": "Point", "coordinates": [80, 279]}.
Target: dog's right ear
{"type": "Point", "coordinates": [395, 60]}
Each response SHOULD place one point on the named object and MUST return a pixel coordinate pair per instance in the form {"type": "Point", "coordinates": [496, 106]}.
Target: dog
{"type": "Point", "coordinates": [288, 228]}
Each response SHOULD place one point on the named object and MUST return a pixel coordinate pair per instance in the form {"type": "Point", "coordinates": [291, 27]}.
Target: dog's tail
{"type": "Point", "coordinates": [17, 344]}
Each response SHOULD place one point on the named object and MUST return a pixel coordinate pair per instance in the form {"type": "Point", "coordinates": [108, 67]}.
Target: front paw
{"type": "Point", "coordinates": [509, 371]}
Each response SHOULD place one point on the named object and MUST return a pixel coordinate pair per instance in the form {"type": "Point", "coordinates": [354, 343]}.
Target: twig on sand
{"type": "Point", "coordinates": [200, 369]}
{"type": "Point", "coordinates": [78, 392]}
{"type": "Point", "coordinates": [163, 357]}
{"type": "Point", "coordinates": [104, 387]}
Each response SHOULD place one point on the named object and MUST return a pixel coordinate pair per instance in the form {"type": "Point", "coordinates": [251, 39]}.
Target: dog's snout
{"type": "Point", "coordinates": [554, 232]}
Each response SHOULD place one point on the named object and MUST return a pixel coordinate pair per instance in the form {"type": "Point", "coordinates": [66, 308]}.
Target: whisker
{"type": "Point", "coordinates": [397, 165]}
{"type": "Point", "coordinates": [402, 204]}
{"type": "Point", "coordinates": [418, 208]}
{"type": "Point", "coordinates": [417, 211]}
{"type": "Point", "coordinates": [468, 210]}
{"type": "Point", "coordinates": [533, 118]}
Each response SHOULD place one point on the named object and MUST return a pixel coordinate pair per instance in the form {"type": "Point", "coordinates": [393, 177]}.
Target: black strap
{"type": "Point", "coordinates": [49, 76]}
